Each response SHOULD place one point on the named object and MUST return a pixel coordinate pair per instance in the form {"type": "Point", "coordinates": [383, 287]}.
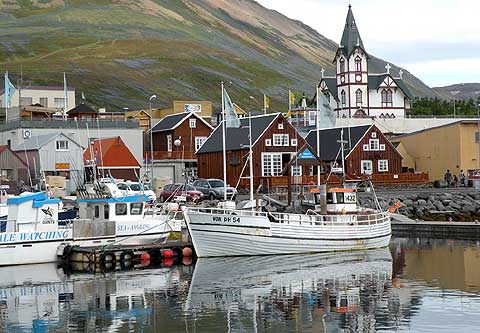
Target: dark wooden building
{"type": "Point", "coordinates": [367, 150]}
{"type": "Point", "coordinates": [179, 136]}
{"type": "Point", "coordinates": [274, 143]}
{"type": "Point", "coordinates": [82, 111]}
{"type": "Point", "coordinates": [12, 168]}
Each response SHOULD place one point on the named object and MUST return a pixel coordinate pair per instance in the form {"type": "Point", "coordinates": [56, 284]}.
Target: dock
{"type": "Point", "coordinates": [433, 229]}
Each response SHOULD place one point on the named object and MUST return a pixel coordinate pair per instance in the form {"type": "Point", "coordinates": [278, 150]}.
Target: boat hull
{"type": "Point", "coordinates": [266, 238]}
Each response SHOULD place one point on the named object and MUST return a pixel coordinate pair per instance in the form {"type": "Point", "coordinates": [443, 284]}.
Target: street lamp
{"type": "Point", "coordinates": [151, 136]}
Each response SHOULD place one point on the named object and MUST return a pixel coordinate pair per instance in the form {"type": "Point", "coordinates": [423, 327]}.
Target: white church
{"type": "Point", "coordinates": [357, 92]}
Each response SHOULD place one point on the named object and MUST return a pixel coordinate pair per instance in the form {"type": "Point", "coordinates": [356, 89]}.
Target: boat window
{"type": "Point", "coordinates": [135, 187]}
{"type": "Point", "coordinates": [339, 197]}
{"type": "Point", "coordinates": [136, 208]}
{"type": "Point", "coordinates": [122, 187]}
{"type": "Point", "coordinates": [106, 212]}
{"type": "Point", "coordinates": [97, 212]}
{"type": "Point", "coordinates": [330, 198]}
{"type": "Point", "coordinates": [120, 209]}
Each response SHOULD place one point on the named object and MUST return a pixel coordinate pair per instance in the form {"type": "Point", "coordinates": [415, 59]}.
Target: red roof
{"type": "Point", "coordinates": [110, 153]}
{"type": "Point", "coordinates": [2, 148]}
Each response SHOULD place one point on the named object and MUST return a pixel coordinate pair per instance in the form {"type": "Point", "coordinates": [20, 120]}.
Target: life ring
{"type": "Point", "coordinates": [126, 259]}
{"type": "Point", "coordinates": [108, 260]}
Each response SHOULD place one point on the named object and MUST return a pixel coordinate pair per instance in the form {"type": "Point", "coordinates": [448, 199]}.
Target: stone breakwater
{"type": "Point", "coordinates": [462, 205]}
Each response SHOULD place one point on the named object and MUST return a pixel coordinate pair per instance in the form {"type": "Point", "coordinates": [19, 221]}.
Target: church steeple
{"type": "Point", "coordinates": [351, 36]}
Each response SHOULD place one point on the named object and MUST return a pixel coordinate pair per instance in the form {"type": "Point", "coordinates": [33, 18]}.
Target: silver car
{"type": "Point", "coordinates": [214, 189]}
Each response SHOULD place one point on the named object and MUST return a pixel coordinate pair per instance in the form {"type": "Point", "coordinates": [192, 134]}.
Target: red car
{"type": "Point", "coordinates": [171, 191]}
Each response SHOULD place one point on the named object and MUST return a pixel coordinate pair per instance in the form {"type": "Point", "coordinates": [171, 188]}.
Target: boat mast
{"type": "Point", "coordinates": [318, 135]}
{"type": "Point", "coordinates": [250, 155]}
{"type": "Point", "coordinates": [343, 157]}
{"type": "Point", "coordinates": [224, 146]}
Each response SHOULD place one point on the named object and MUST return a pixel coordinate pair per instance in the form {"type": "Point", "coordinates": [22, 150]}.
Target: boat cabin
{"type": "Point", "coordinates": [341, 200]}
{"type": "Point", "coordinates": [113, 209]}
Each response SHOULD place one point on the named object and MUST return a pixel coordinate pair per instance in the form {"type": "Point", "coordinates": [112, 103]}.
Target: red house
{"type": "Point", "coordinates": [112, 157]}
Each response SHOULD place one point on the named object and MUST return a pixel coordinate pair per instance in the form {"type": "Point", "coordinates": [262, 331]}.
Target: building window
{"type": "Point", "coordinates": [358, 64]}
{"type": "Point", "coordinates": [374, 135]}
{"type": "Point", "coordinates": [281, 140]}
{"type": "Point", "coordinates": [294, 142]}
{"type": "Point", "coordinates": [120, 209]}
{"type": "Point", "coordinates": [193, 123]}
{"type": "Point", "coordinates": [169, 142]}
{"type": "Point", "coordinates": [268, 142]}
{"type": "Point", "coordinates": [44, 102]}
{"type": "Point", "coordinates": [382, 147]}
{"type": "Point", "coordinates": [342, 65]}
{"type": "Point", "coordinates": [62, 145]}
{"type": "Point", "coordinates": [26, 101]}
{"type": "Point", "coordinates": [6, 174]}
{"type": "Point", "coordinates": [358, 95]}
{"type": "Point", "coordinates": [280, 126]}
{"type": "Point", "coordinates": [271, 164]}
{"type": "Point", "coordinates": [343, 98]}
{"type": "Point", "coordinates": [59, 103]}
{"type": "Point", "coordinates": [366, 167]}
{"type": "Point", "coordinates": [296, 170]}
{"type": "Point", "coordinates": [374, 144]}
{"type": "Point", "coordinates": [382, 165]}
{"type": "Point", "coordinates": [387, 98]}
{"type": "Point", "coordinates": [199, 141]}
{"type": "Point", "coordinates": [312, 118]}
{"type": "Point", "coordinates": [365, 147]}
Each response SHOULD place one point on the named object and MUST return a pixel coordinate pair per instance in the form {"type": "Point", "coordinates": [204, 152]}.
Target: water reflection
{"type": "Point", "coordinates": [425, 285]}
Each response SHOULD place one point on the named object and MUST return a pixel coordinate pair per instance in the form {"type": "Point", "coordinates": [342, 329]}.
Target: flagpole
{"type": "Point", "coordinates": [318, 135]}
{"type": "Point", "coordinates": [250, 156]}
{"type": "Point", "coordinates": [224, 147]}
{"type": "Point", "coordinates": [264, 104]}
{"type": "Point", "coordinates": [65, 96]}
{"type": "Point", "coordinates": [6, 97]}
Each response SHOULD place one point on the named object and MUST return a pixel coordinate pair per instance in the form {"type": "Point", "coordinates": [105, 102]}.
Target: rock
{"type": "Point", "coordinates": [431, 198]}
{"type": "Point", "coordinates": [439, 205]}
{"type": "Point", "coordinates": [468, 208]}
{"type": "Point", "coordinates": [408, 202]}
{"type": "Point", "coordinates": [423, 195]}
{"type": "Point", "coordinates": [421, 202]}
{"type": "Point", "coordinates": [446, 201]}
{"type": "Point", "coordinates": [454, 206]}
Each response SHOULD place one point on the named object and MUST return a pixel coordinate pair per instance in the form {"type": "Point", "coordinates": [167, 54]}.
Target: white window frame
{"type": "Point", "coordinates": [363, 169]}
{"type": "Point", "coordinates": [59, 103]}
{"type": "Point", "coordinates": [312, 118]}
{"type": "Point", "coordinates": [382, 147]}
{"type": "Point", "coordinates": [268, 142]}
{"type": "Point", "coordinates": [374, 144]}
{"type": "Point", "coordinates": [271, 164]}
{"type": "Point", "coordinates": [294, 142]}
{"type": "Point", "coordinates": [366, 147]}
{"type": "Point", "coordinates": [281, 140]}
{"type": "Point", "coordinates": [192, 123]}
{"type": "Point", "coordinates": [58, 145]}
{"type": "Point", "coordinates": [199, 141]}
{"type": "Point", "coordinates": [382, 165]}
{"type": "Point", "coordinates": [296, 170]}
{"type": "Point", "coordinates": [374, 135]}
{"type": "Point", "coordinates": [280, 125]}
{"type": "Point", "coordinates": [169, 142]}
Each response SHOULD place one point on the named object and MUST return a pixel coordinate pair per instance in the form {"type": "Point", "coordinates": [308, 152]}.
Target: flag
{"type": "Point", "coordinates": [65, 94]}
{"type": "Point", "coordinates": [9, 91]}
{"type": "Point", "coordinates": [266, 103]}
{"type": "Point", "coordinates": [291, 98]}
{"type": "Point", "coordinates": [83, 96]}
{"type": "Point", "coordinates": [230, 114]}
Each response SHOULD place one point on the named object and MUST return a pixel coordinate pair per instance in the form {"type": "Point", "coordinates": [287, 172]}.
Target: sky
{"type": "Point", "coordinates": [436, 40]}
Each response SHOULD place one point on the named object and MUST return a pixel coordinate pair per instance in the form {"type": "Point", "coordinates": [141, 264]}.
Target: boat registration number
{"type": "Point", "coordinates": [226, 219]}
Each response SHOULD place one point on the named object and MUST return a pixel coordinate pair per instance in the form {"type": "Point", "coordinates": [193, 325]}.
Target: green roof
{"type": "Point", "coordinates": [375, 80]}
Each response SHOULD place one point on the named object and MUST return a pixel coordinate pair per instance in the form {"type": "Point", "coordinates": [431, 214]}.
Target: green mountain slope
{"type": "Point", "coordinates": [119, 52]}
{"type": "Point", "coordinates": [463, 91]}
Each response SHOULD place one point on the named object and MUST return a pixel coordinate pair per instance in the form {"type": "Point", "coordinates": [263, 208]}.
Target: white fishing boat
{"type": "Point", "coordinates": [33, 234]}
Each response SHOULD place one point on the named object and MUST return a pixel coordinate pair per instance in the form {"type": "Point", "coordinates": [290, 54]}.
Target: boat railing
{"type": "Point", "coordinates": [305, 219]}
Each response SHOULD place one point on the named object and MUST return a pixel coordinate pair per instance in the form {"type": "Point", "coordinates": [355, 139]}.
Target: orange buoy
{"type": "Point", "coordinates": [187, 252]}
{"type": "Point", "coordinates": [167, 253]}
{"type": "Point", "coordinates": [167, 261]}
{"type": "Point", "coordinates": [187, 261]}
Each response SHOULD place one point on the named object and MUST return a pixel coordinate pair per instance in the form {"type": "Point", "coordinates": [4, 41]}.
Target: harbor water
{"type": "Point", "coordinates": [416, 285]}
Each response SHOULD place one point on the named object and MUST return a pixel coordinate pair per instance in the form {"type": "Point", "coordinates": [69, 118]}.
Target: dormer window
{"type": "Point", "coordinates": [342, 65]}
{"type": "Point", "coordinates": [358, 64]}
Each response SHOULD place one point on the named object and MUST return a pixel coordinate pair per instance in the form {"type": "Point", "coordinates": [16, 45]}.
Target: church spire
{"type": "Point", "coordinates": [351, 37]}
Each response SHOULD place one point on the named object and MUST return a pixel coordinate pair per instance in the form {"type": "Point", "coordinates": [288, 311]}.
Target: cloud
{"type": "Point", "coordinates": [406, 32]}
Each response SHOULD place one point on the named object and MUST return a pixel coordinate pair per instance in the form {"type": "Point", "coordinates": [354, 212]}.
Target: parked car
{"type": "Point", "coordinates": [171, 191]}
{"type": "Point", "coordinates": [214, 188]}
{"type": "Point", "coordinates": [129, 188]}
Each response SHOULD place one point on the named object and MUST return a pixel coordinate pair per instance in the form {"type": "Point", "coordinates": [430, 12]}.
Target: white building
{"type": "Point", "coordinates": [51, 97]}
{"type": "Point", "coordinates": [355, 91]}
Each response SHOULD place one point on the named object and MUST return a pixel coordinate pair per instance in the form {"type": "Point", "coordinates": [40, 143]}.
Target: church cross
{"type": "Point", "coordinates": [322, 71]}
{"type": "Point", "coordinates": [401, 74]}
{"type": "Point", "coordinates": [388, 68]}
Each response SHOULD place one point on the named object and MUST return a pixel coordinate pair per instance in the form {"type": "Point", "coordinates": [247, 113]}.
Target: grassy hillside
{"type": "Point", "coordinates": [119, 52]}
{"type": "Point", "coordinates": [461, 91]}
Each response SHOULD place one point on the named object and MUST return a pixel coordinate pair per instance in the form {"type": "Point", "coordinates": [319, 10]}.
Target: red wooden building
{"type": "Point", "coordinates": [112, 157]}
{"type": "Point", "coordinates": [367, 150]}
{"type": "Point", "coordinates": [274, 143]}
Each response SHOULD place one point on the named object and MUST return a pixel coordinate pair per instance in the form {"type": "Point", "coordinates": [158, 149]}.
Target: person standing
{"type": "Point", "coordinates": [462, 178]}
{"type": "Point", "coordinates": [448, 178]}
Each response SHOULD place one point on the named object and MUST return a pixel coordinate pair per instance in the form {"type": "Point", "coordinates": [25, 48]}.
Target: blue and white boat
{"type": "Point", "coordinates": [33, 234]}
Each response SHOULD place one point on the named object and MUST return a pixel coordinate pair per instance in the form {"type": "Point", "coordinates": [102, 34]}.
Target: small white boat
{"type": "Point", "coordinates": [231, 232]}
{"type": "Point", "coordinates": [33, 234]}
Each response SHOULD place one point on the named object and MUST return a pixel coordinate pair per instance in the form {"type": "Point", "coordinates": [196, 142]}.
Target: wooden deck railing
{"type": "Point", "coordinates": [171, 155]}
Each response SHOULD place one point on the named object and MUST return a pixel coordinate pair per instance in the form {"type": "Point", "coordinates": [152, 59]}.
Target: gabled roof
{"type": "Point", "coordinates": [82, 108]}
{"type": "Point", "coordinates": [110, 153]}
{"type": "Point", "coordinates": [331, 83]}
{"type": "Point", "coordinates": [351, 36]}
{"type": "Point", "coordinates": [237, 138]}
{"type": "Point", "coordinates": [37, 142]}
{"type": "Point", "coordinates": [375, 80]}
{"type": "Point", "coordinates": [329, 147]}
{"type": "Point", "coordinates": [172, 121]}
{"type": "Point", "coordinates": [2, 148]}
